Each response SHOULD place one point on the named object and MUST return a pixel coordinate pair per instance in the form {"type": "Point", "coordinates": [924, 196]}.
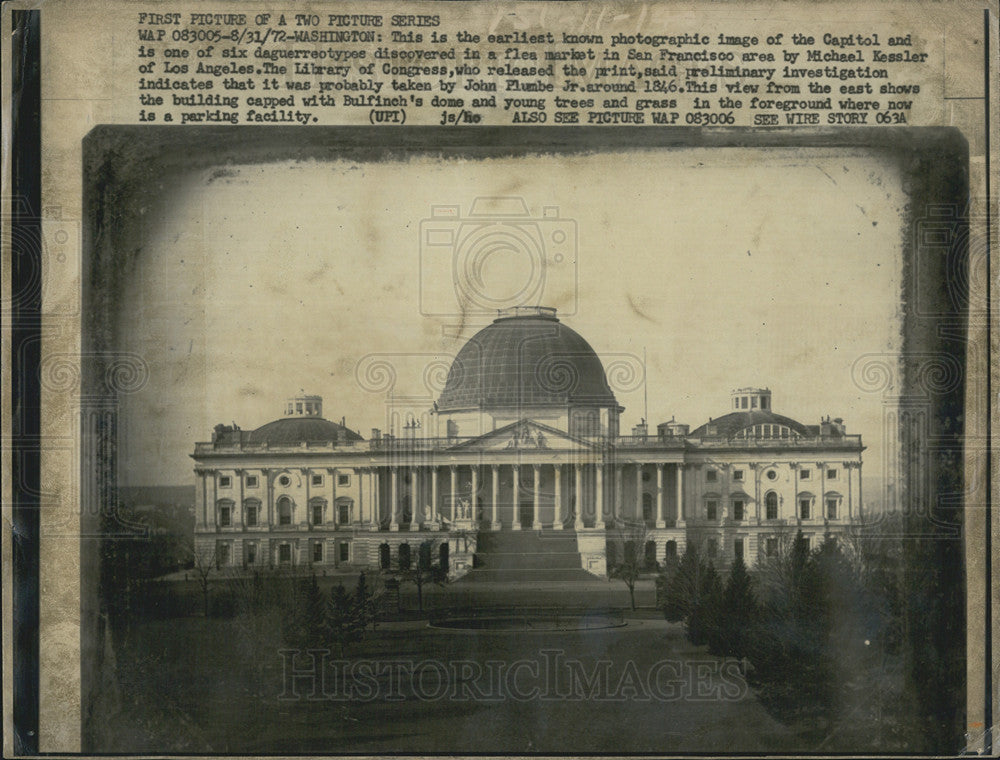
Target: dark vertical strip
{"type": "Point", "coordinates": [988, 667]}
{"type": "Point", "coordinates": [25, 344]}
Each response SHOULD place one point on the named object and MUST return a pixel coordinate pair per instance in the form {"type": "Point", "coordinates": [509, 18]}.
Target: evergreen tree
{"type": "Point", "coordinates": [681, 588]}
{"type": "Point", "coordinates": [342, 625]}
{"type": "Point", "coordinates": [703, 617]}
{"type": "Point", "coordinates": [738, 613]}
{"type": "Point", "coordinates": [305, 626]}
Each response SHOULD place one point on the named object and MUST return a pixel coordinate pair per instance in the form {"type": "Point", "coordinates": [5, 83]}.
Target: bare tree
{"type": "Point", "coordinates": [628, 545]}
{"type": "Point", "coordinates": [205, 562]}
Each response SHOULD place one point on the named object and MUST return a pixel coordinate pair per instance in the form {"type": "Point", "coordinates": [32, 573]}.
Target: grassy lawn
{"type": "Point", "coordinates": [197, 685]}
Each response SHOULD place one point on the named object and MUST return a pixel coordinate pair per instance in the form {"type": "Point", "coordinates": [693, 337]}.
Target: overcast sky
{"type": "Point", "coordinates": [730, 267]}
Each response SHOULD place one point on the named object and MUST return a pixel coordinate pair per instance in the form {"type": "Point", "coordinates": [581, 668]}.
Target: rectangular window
{"type": "Point", "coordinates": [804, 509]}
{"type": "Point", "coordinates": [738, 510]}
{"type": "Point", "coordinates": [711, 476]}
{"type": "Point", "coordinates": [252, 516]}
{"type": "Point", "coordinates": [805, 474]}
{"type": "Point", "coordinates": [738, 548]}
{"type": "Point", "coordinates": [285, 554]}
{"type": "Point", "coordinates": [345, 551]}
{"type": "Point", "coordinates": [317, 480]}
{"type": "Point", "coordinates": [225, 481]}
{"type": "Point", "coordinates": [343, 480]}
{"type": "Point", "coordinates": [318, 551]}
{"type": "Point", "coordinates": [763, 402]}
{"type": "Point", "coordinates": [831, 474]}
{"type": "Point", "coordinates": [251, 481]}
{"type": "Point", "coordinates": [744, 402]}
{"type": "Point", "coordinates": [711, 508]}
{"type": "Point", "coordinates": [753, 402]}
{"type": "Point", "coordinates": [222, 554]}
{"type": "Point", "coordinates": [831, 509]}
{"type": "Point", "coordinates": [736, 403]}
{"type": "Point", "coordinates": [251, 554]}
{"type": "Point", "coordinates": [317, 514]}
{"type": "Point", "coordinates": [738, 475]}
{"type": "Point", "coordinates": [771, 547]}
{"type": "Point", "coordinates": [345, 514]}
{"type": "Point", "coordinates": [711, 547]}
{"type": "Point", "coordinates": [225, 517]}
{"type": "Point", "coordinates": [772, 511]}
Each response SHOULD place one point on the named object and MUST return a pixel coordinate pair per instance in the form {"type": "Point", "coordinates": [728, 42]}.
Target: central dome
{"type": "Point", "coordinates": [526, 358]}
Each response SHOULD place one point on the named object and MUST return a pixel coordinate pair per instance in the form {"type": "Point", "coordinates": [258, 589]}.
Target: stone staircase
{"type": "Point", "coordinates": [526, 556]}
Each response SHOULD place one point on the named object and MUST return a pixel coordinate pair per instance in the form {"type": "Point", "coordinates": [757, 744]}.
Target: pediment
{"type": "Point", "coordinates": [527, 435]}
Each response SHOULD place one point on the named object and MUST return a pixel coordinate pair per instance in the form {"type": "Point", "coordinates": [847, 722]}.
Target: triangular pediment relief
{"type": "Point", "coordinates": [527, 435]}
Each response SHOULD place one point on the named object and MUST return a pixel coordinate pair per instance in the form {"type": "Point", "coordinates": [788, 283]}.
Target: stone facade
{"type": "Point", "coordinates": [303, 490]}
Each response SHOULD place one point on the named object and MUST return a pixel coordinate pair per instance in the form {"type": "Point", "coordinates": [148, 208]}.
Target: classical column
{"type": "Point", "coordinates": [242, 508]}
{"type": "Point", "coordinates": [434, 493]}
{"type": "Point", "coordinates": [578, 496]}
{"type": "Point", "coordinates": [536, 501]}
{"type": "Point", "coordinates": [599, 493]}
{"type": "Point", "coordinates": [617, 503]}
{"type": "Point", "coordinates": [475, 491]}
{"type": "Point", "coordinates": [361, 474]}
{"type": "Point", "coordinates": [376, 495]}
{"type": "Point", "coordinates": [494, 491]}
{"type": "Point", "coordinates": [394, 499]}
{"type": "Point", "coordinates": [680, 495]}
{"type": "Point", "coordinates": [416, 508]}
{"type": "Point", "coordinates": [516, 490]}
{"type": "Point", "coordinates": [849, 466]}
{"type": "Point", "coordinates": [334, 517]}
{"type": "Point", "coordinates": [454, 493]}
{"type": "Point", "coordinates": [557, 519]}
{"type": "Point", "coordinates": [270, 498]}
{"type": "Point", "coordinates": [215, 500]}
{"type": "Point", "coordinates": [660, 521]}
{"type": "Point", "coordinates": [822, 491]}
{"type": "Point", "coordinates": [639, 514]}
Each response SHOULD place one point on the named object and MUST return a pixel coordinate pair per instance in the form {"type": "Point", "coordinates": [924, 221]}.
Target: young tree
{"type": "Point", "coordinates": [424, 571]}
{"type": "Point", "coordinates": [342, 624]}
{"type": "Point", "coordinates": [703, 617]}
{"type": "Point", "coordinates": [627, 556]}
{"type": "Point", "coordinates": [737, 615]}
{"type": "Point", "coordinates": [681, 587]}
{"type": "Point", "coordinates": [204, 560]}
{"type": "Point", "coordinates": [307, 621]}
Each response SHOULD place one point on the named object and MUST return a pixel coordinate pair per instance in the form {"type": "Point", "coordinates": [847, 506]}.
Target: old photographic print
{"type": "Point", "coordinates": [465, 445]}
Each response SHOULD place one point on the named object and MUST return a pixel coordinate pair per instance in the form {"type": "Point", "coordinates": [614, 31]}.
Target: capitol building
{"type": "Point", "coordinates": [523, 446]}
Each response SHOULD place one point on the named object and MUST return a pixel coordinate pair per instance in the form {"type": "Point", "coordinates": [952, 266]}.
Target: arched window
{"type": "Point", "coordinates": [317, 510]}
{"type": "Point", "coordinates": [384, 556]}
{"type": "Point", "coordinates": [251, 512]}
{"type": "Point", "coordinates": [404, 556]}
{"type": "Point", "coordinates": [443, 556]}
{"type": "Point", "coordinates": [771, 505]}
{"type": "Point", "coordinates": [832, 505]}
{"type": "Point", "coordinates": [649, 556]}
{"type": "Point", "coordinates": [284, 511]}
{"type": "Point", "coordinates": [345, 506]}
